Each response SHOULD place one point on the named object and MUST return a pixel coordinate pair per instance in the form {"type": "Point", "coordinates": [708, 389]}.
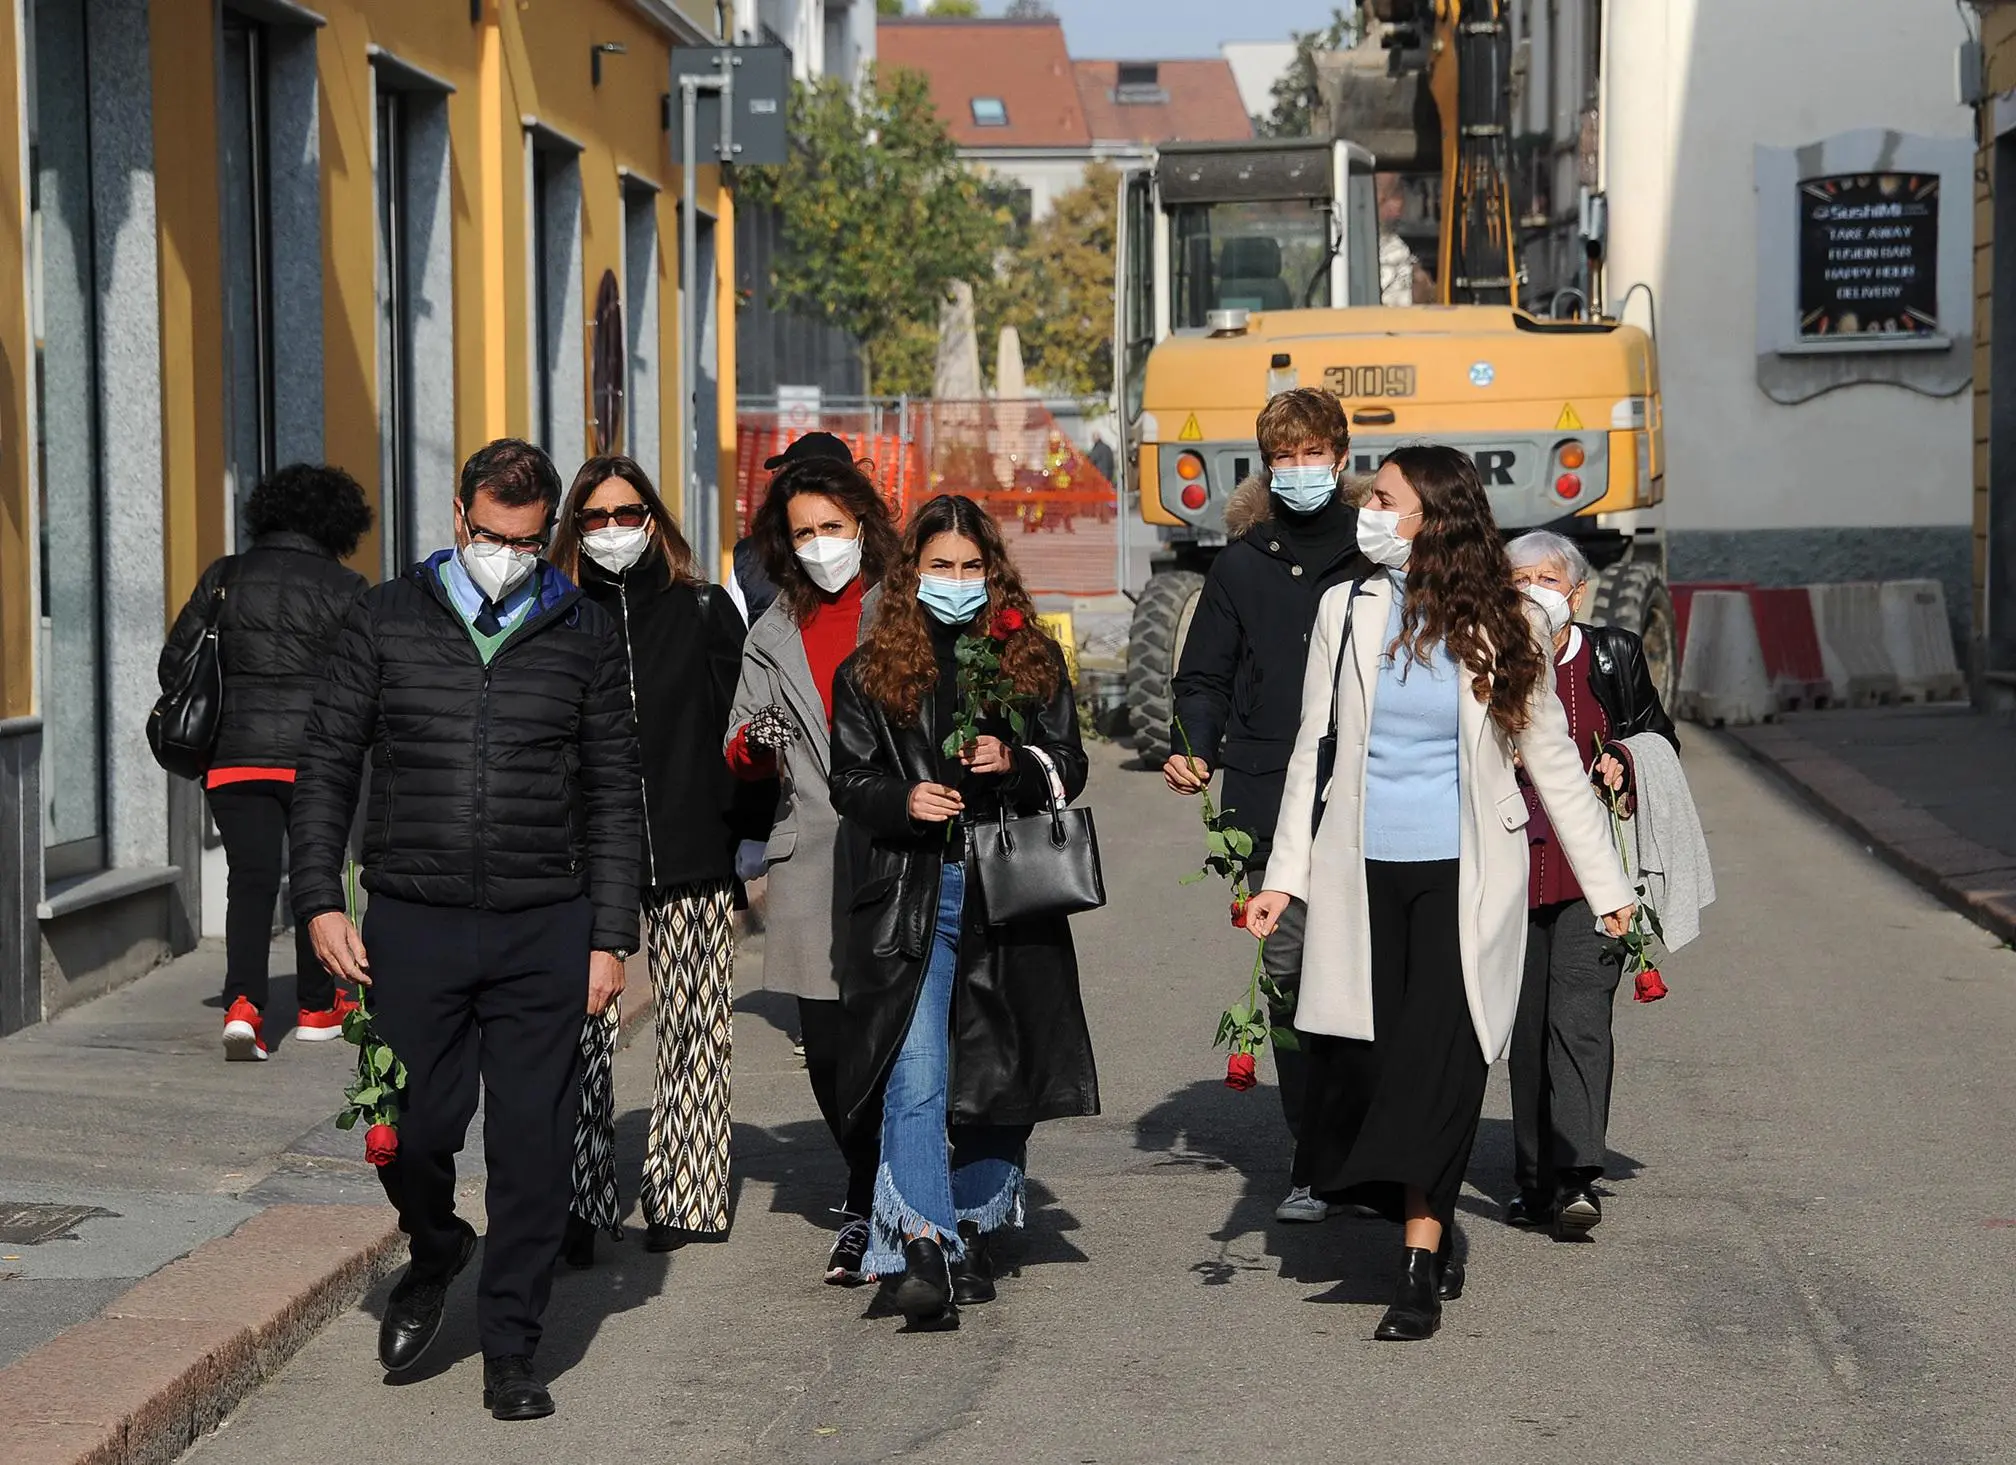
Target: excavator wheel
{"type": "Point", "coordinates": [1633, 595]}
{"type": "Point", "coordinates": [1154, 643]}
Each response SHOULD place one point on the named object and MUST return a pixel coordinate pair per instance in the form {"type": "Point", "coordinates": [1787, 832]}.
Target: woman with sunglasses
{"type": "Point", "coordinates": [683, 639]}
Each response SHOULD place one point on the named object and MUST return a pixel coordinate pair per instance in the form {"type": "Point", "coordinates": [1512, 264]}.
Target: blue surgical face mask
{"type": "Point", "coordinates": [1304, 487]}
{"type": "Point", "coordinates": [954, 602]}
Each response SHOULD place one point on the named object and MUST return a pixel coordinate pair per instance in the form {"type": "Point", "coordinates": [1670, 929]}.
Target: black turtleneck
{"type": "Point", "coordinates": [1321, 538]}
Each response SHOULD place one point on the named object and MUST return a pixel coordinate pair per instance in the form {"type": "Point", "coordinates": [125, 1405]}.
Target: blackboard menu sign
{"type": "Point", "coordinates": [1869, 255]}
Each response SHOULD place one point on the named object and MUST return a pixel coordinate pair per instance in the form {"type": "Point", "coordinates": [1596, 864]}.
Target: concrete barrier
{"type": "Point", "coordinates": [1722, 676]}
{"type": "Point", "coordinates": [1919, 641]}
{"type": "Point", "coordinates": [1849, 619]}
{"type": "Point", "coordinates": [1791, 644]}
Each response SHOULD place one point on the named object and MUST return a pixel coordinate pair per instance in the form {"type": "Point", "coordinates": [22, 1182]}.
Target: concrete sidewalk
{"type": "Point", "coordinates": [1930, 789]}
{"type": "Point", "coordinates": [173, 1226]}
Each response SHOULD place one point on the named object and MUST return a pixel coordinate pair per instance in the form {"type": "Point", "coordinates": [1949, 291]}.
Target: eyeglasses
{"type": "Point", "coordinates": [623, 516]}
{"type": "Point", "coordinates": [531, 544]}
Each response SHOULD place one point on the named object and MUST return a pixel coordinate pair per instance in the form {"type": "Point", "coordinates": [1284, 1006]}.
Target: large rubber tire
{"type": "Point", "coordinates": [1633, 595]}
{"type": "Point", "coordinates": [1155, 640]}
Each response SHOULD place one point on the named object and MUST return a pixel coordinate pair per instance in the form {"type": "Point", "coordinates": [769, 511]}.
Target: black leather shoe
{"type": "Point", "coordinates": [512, 1391]}
{"type": "Point", "coordinates": [924, 1296]}
{"type": "Point", "coordinates": [973, 1274]}
{"type": "Point", "coordinates": [1416, 1312]}
{"type": "Point", "coordinates": [413, 1311]}
{"type": "Point", "coordinates": [1576, 1214]}
{"type": "Point", "coordinates": [1527, 1209]}
{"type": "Point", "coordinates": [578, 1249]}
{"type": "Point", "coordinates": [665, 1237]}
{"type": "Point", "coordinates": [1448, 1268]}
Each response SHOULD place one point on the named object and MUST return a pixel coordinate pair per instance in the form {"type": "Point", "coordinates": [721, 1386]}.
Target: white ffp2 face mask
{"type": "Point", "coordinates": [831, 562]}
{"type": "Point", "coordinates": [1554, 605]}
{"type": "Point", "coordinates": [1379, 537]}
{"type": "Point", "coordinates": [496, 570]}
{"type": "Point", "coordinates": [615, 548]}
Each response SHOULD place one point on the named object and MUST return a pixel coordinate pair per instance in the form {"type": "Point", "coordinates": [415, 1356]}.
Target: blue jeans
{"type": "Point", "coordinates": [929, 1180]}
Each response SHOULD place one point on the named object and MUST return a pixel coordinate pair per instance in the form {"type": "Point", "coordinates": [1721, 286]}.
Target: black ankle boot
{"type": "Point", "coordinates": [1449, 1268]}
{"type": "Point", "coordinates": [973, 1274]}
{"type": "Point", "coordinates": [925, 1294]}
{"type": "Point", "coordinates": [1416, 1312]}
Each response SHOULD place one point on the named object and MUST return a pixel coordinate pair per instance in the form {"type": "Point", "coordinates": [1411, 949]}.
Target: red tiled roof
{"type": "Point", "coordinates": [1202, 103]}
{"type": "Point", "coordinates": [1021, 63]}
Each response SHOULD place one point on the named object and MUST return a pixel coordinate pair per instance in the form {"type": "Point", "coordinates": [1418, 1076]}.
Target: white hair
{"type": "Point", "coordinates": [1539, 547]}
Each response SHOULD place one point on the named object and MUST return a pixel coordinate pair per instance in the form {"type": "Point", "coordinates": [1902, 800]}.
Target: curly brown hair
{"type": "Point", "coordinates": [668, 546]}
{"type": "Point", "coordinates": [896, 665]}
{"type": "Point", "coordinates": [1459, 586]}
{"type": "Point", "coordinates": [849, 486]}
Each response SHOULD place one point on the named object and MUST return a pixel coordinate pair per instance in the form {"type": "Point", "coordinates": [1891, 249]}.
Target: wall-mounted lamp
{"type": "Point", "coordinates": [595, 55]}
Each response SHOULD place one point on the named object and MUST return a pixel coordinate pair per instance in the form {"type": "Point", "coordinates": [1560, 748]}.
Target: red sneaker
{"type": "Point", "coordinates": [244, 1041]}
{"type": "Point", "coordinates": [320, 1027]}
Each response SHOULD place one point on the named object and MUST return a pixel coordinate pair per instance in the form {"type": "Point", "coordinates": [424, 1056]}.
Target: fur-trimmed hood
{"type": "Point", "coordinates": [1251, 504]}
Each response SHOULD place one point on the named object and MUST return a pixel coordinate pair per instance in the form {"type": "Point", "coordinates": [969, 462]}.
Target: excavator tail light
{"type": "Point", "coordinates": [1569, 485]}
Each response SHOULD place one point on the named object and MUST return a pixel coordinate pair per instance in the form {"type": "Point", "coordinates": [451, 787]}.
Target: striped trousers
{"type": "Point", "coordinates": [690, 950]}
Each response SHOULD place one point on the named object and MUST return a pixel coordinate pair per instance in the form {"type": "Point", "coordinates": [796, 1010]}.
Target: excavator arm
{"type": "Point", "coordinates": [1470, 80]}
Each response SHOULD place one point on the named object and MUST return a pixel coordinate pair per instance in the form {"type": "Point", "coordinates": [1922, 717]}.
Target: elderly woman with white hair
{"type": "Point", "coordinates": [1562, 1055]}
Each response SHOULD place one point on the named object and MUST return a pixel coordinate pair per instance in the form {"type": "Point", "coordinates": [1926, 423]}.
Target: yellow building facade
{"type": "Point", "coordinates": [240, 233]}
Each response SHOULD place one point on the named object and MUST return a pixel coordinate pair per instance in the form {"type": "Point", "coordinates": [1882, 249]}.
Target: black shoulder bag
{"type": "Point", "coordinates": [182, 729]}
{"type": "Point", "coordinates": [1326, 749]}
{"type": "Point", "coordinates": [1042, 864]}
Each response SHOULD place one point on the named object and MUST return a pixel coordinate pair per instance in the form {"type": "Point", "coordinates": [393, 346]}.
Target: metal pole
{"type": "Point", "coordinates": [699, 523]}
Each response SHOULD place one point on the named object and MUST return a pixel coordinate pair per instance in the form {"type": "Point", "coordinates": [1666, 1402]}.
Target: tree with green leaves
{"type": "Point", "coordinates": [879, 215]}
{"type": "Point", "coordinates": [1028, 10]}
{"type": "Point", "coordinates": [954, 9]}
{"type": "Point", "coordinates": [888, 7]}
{"type": "Point", "coordinates": [1294, 92]}
{"type": "Point", "coordinates": [1056, 289]}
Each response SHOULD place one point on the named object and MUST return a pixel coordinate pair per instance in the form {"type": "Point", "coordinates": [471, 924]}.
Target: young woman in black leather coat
{"type": "Point", "coordinates": [959, 1023]}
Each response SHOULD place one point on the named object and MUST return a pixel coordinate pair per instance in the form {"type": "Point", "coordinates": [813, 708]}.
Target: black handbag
{"type": "Point", "coordinates": [1326, 747]}
{"type": "Point", "coordinates": [1040, 864]}
{"type": "Point", "coordinates": [182, 728]}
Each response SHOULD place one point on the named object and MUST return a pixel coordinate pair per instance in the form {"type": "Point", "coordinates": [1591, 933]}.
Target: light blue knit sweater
{"type": "Point", "coordinates": [1412, 767]}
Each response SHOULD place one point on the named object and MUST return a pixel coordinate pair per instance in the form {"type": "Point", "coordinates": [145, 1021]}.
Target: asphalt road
{"type": "Point", "coordinates": [1807, 1255]}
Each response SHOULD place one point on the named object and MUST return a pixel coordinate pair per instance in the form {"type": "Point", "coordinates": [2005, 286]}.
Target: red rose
{"type": "Point", "coordinates": [1239, 1072]}
{"type": "Point", "coordinates": [1239, 914]}
{"type": "Point", "coordinates": [1649, 987]}
{"type": "Point", "coordinates": [381, 1144]}
{"type": "Point", "coordinates": [1007, 621]}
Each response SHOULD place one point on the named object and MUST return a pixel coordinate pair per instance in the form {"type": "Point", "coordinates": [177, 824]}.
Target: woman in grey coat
{"type": "Point", "coordinates": [825, 537]}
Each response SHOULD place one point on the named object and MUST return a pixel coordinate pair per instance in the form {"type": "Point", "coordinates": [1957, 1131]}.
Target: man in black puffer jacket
{"type": "Point", "coordinates": [501, 853]}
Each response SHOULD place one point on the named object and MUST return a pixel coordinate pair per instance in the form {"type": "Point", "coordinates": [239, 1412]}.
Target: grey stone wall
{"type": "Point", "coordinates": [20, 872]}
{"type": "Point", "coordinates": [1821, 556]}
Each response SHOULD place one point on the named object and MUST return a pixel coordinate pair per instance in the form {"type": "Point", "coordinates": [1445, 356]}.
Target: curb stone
{"type": "Point", "coordinates": [166, 1362]}
{"type": "Point", "coordinates": [1972, 878]}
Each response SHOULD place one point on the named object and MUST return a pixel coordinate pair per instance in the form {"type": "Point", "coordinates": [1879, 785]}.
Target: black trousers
{"type": "Point", "coordinates": [1283, 963]}
{"type": "Point", "coordinates": [1402, 1110]}
{"type": "Point", "coordinates": [252, 818]}
{"type": "Point", "coordinates": [1563, 1054]}
{"type": "Point", "coordinates": [462, 995]}
{"type": "Point", "coordinates": [823, 1026]}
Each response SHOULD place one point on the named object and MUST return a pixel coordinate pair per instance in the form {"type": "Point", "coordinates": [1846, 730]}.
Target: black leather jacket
{"type": "Point", "coordinates": [1622, 682]}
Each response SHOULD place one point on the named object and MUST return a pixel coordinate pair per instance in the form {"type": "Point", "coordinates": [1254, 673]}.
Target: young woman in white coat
{"type": "Point", "coordinates": [1411, 855]}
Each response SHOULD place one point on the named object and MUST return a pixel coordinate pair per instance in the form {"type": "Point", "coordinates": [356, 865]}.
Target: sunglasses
{"type": "Point", "coordinates": [623, 516]}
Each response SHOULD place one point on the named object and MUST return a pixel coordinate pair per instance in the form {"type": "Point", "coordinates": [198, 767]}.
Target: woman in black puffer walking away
{"type": "Point", "coordinates": [283, 599]}
{"type": "Point", "coordinates": [682, 638]}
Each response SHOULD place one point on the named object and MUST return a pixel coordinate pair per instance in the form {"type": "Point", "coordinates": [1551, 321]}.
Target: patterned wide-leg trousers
{"type": "Point", "coordinates": [690, 949]}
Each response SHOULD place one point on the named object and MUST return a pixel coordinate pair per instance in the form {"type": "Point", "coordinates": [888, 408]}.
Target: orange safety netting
{"type": "Point", "coordinates": [1058, 512]}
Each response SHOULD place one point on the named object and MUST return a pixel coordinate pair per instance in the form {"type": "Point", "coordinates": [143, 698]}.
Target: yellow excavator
{"type": "Point", "coordinates": [1245, 269]}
